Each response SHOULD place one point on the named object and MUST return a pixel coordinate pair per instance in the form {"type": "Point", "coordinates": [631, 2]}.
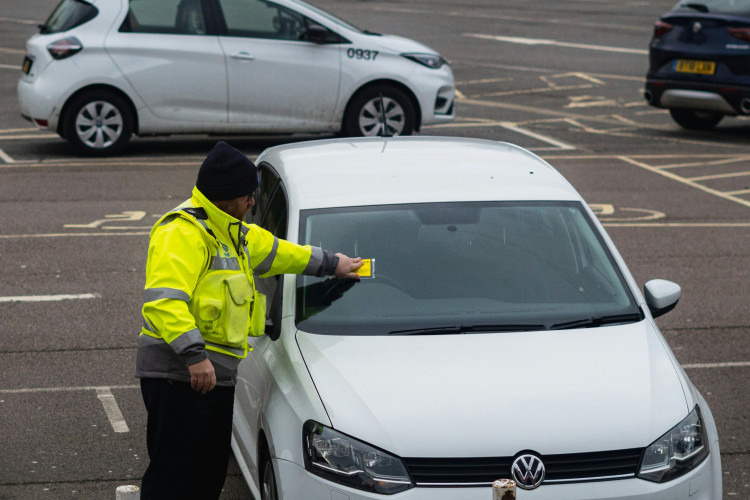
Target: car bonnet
{"type": "Point", "coordinates": [480, 395]}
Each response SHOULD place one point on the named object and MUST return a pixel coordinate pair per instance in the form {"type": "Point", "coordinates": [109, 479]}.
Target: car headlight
{"type": "Point", "coordinates": [677, 452]}
{"type": "Point", "coordinates": [345, 460]}
{"type": "Point", "coordinates": [432, 61]}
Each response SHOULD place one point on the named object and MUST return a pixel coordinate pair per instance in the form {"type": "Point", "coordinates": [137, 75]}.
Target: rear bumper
{"type": "Point", "coordinates": [703, 96]}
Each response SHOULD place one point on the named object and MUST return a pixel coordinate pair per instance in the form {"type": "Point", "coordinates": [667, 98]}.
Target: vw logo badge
{"type": "Point", "coordinates": [697, 27]}
{"type": "Point", "coordinates": [528, 471]}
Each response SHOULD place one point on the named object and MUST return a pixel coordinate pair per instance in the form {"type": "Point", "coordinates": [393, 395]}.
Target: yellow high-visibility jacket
{"type": "Point", "coordinates": [200, 297]}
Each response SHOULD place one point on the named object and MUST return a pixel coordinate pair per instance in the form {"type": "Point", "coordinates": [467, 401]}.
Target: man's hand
{"type": "Point", "coordinates": [202, 376]}
{"type": "Point", "coordinates": [347, 266]}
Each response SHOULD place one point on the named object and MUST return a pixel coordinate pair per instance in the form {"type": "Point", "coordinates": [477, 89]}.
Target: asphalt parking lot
{"type": "Point", "coordinates": [561, 79]}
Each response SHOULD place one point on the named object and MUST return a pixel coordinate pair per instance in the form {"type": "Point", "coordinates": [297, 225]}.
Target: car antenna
{"type": "Point", "coordinates": [385, 132]}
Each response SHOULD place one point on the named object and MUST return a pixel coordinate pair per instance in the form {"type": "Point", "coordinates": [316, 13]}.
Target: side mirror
{"type": "Point", "coordinates": [273, 319]}
{"type": "Point", "coordinates": [661, 296]}
{"type": "Point", "coordinates": [318, 34]}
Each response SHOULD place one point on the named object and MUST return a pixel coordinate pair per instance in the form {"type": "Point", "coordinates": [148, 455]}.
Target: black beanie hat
{"type": "Point", "coordinates": [226, 174]}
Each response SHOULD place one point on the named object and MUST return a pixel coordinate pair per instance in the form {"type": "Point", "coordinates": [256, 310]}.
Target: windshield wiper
{"type": "Point", "coordinates": [695, 6]}
{"type": "Point", "coordinates": [457, 329]}
{"type": "Point", "coordinates": [598, 321]}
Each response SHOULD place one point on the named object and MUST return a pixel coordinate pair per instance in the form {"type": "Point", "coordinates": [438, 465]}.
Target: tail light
{"type": "Point", "coordinates": [741, 33]}
{"type": "Point", "coordinates": [660, 28]}
{"type": "Point", "coordinates": [65, 47]}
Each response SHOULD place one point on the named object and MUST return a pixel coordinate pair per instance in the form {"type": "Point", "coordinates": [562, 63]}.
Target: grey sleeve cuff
{"type": "Point", "coordinates": [194, 354]}
{"type": "Point", "coordinates": [329, 264]}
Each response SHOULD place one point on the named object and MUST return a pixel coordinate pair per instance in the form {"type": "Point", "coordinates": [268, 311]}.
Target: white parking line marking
{"type": "Point", "coordinates": [65, 235]}
{"type": "Point", "coordinates": [10, 66]}
{"type": "Point", "coordinates": [730, 364]}
{"type": "Point", "coordinates": [33, 390]}
{"type": "Point", "coordinates": [112, 410]}
{"type": "Point", "coordinates": [725, 161]}
{"type": "Point", "coordinates": [103, 393]}
{"type": "Point", "coordinates": [558, 144]}
{"type": "Point", "coordinates": [131, 215]}
{"type": "Point", "coordinates": [12, 51]}
{"type": "Point", "coordinates": [4, 156]}
{"type": "Point", "coordinates": [540, 41]}
{"type": "Point", "coordinates": [40, 135]}
{"type": "Point", "coordinates": [49, 298]}
{"type": "Point", "coordinates": [687, 182]}
{"type": "Point", "coordinates": [719, 176]}
{"type": "Point", "coordinates": [677, 224]}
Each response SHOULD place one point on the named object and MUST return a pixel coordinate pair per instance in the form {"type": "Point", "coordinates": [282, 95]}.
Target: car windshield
{"type": "Point", "coordinates": [463, 268]}
{"type": "Point", "coordinates": [717, 6]}
{"type": "Point", "coordinates": [67, 15]}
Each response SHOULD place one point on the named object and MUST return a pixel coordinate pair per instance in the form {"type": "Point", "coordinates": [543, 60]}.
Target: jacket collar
{"type": "Point", "coordinates": [225, 225]}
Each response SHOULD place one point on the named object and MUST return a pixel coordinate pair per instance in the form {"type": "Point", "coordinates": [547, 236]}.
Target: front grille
{"type": "Point", "coordinates": [567, 468]}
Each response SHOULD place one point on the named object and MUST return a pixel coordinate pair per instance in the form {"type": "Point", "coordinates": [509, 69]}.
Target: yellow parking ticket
{"type": "Point", "coordinates": [368, 269]}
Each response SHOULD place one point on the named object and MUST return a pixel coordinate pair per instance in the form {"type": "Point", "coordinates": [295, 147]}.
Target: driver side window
{"type": "Point", "coordinates": [261, 19]}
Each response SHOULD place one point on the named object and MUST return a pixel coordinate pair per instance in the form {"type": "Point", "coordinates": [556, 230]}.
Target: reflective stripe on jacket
{"type": "Point", "coordinates": [200, 299]}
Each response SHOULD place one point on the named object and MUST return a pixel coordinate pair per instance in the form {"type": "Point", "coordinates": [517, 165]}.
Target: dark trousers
{"type": "Point", "coordinates": [188, 438]}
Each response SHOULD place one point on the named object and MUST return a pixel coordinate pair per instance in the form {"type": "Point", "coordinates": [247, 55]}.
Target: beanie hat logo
{"type": "Point", "coordinates": [226, 174]}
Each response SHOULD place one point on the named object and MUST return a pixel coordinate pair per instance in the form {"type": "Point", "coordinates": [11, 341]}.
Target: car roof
{"type": "Point", "coordinates": [378, 171]}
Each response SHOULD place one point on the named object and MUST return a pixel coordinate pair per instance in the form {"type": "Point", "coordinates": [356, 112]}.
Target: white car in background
{"type": "Point", "coordinates": [496, 334]}
{"type": "Point", "coordinates": [100, 71]}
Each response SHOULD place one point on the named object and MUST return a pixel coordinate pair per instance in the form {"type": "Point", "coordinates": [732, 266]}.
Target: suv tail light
{"type": "Point", "coordinates": [65, 47]}
{"type": "Point", "coordinates": [741, 33]}
{"type": "Point", "coordinates": [660, 28]}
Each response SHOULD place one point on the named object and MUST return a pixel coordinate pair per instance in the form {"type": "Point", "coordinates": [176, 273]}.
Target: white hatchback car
{"type": "Point", "coordinates": [496, 333]}
{"type": "Point", "coordinates": [100, 71]}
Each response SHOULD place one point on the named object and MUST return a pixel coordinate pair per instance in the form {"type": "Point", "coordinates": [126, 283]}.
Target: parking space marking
{"type": "Point", "coordinates": [727, 195]}
{"type": "Point", "coordinates": [730, 364]}
{"type": "Point", "coordinates": [112, 409]}
{"type": "Point", "coordinates": [559, 145]}
{"type": "Point", "coordinates": [723, 161]}
{"type": "Point", "coordinates": [556, 43]}
{"type": "Point", "coordinates": [103, 393]}
{"type": "Point", "coordinates": [5, 157]}
{"type": "Point", "coordinates": [515, 127]}
{"type": "Point", "coordinates": [10, 66]}
{"type": "Point", "coordinates": [68, 235]}
{"type": "Point", "coordinates": [483, 14]}
{"type": "Point", "coordinates": [50, 298]}
{"type": "Point", "coordinates": [719, 176]}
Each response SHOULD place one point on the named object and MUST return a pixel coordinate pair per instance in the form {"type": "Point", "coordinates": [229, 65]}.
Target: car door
{"type": "Point", "coordinates": [276, 78]}
{"type": "Point", "coordinates": [168, 51]}
{"type": "Point", "coordinates": [271, 213]}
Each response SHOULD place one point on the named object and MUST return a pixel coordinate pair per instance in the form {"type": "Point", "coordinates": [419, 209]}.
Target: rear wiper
{"type": "Point", "coordinates": [456, 329]}
{"type": "Point", "coordinates": [599, 321]}
{"type": "Point", "coordinates": [695, 6]}
{"type": "Point", "coordinates": [43, 29]}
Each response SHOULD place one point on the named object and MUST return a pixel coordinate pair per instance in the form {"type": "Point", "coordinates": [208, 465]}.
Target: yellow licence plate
{"type": "Point", "coordinates": [26, 65]}
{"type": "Point", "coordinates": [691, 66]}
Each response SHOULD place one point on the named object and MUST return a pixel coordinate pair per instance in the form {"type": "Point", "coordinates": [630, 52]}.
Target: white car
{"type": "Point", "coordinates": [102, 70]}
{"type": "Point", "coordinates": [496, 333]}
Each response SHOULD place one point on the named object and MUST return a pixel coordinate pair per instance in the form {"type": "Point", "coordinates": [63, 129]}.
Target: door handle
{"type": "Point", "coordinates": [243, 56]}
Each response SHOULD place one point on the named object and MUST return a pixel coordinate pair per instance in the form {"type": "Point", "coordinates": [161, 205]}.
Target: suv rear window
{"type": "Point", "coordinates": [67, 15]}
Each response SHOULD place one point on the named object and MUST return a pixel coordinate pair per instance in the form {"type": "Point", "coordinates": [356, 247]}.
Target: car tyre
{"type": "Point", "coordinates": [268, 490]}
{"type": "Point", "coordinates": [365, 118]}
{"type": "Point", "coordinates": [695, 120]}
{"type": "Point", "coordinates": [98, 123]}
